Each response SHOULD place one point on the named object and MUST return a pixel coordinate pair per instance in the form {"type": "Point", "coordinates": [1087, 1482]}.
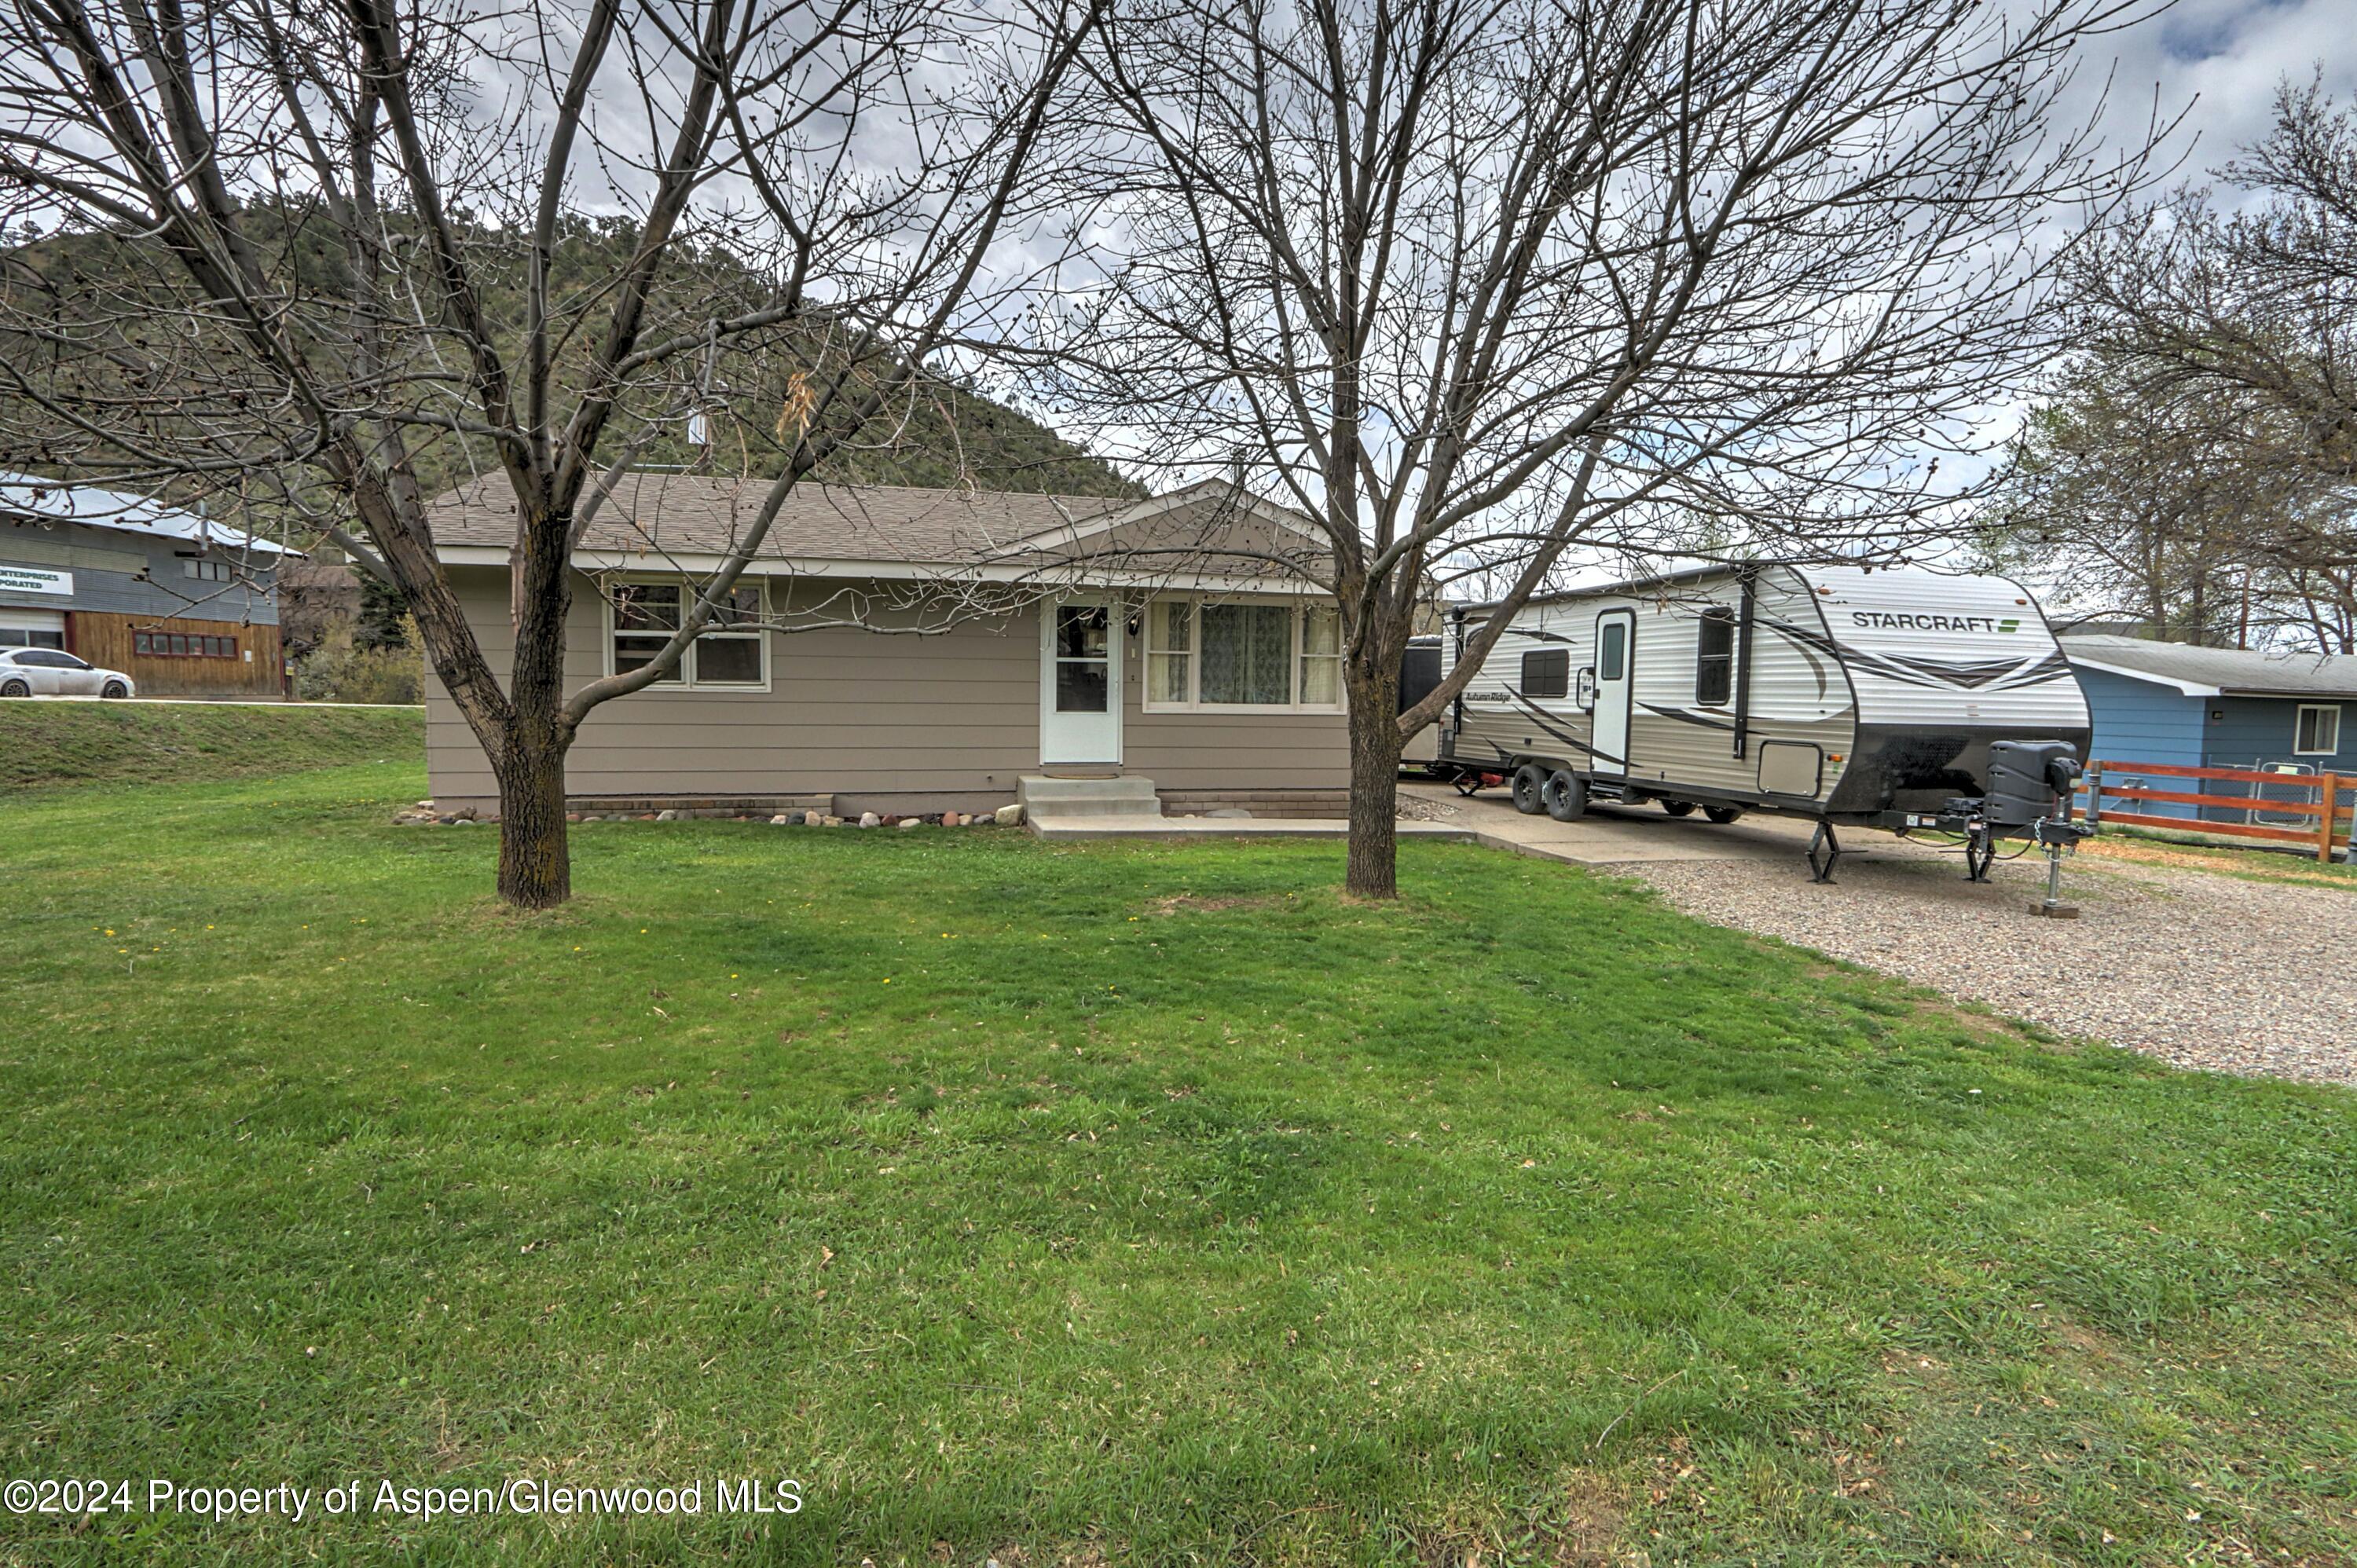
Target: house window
{"type": "Point", "coordinates": [1321, 657]}
{"type": "Point", "coordinates": [204, 570]}
{"type": "Point", "coordinates": [1247, 655]}
{"type": "Point", "coordinates": [2317, 731]}
{"type": "Point", "coordinates": [1170, 652]}
{"type": "Point", "coordinates": [1242, 655]}
{"type": "Point", "coordinates": [731, 652]}
{"type": "Point", "coordinates": [645, 616]}
{"type": "Point", "coordinates": [1547, 674]}
{"type": "Point", "coordinates": [1715, 658]}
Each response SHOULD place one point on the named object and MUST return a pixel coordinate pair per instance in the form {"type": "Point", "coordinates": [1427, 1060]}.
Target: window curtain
{"type": "Point", "coordinates": [1248, 654]}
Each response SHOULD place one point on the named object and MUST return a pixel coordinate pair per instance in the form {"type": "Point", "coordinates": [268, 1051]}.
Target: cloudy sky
{"type": "Point", "coordinates": [2216, 62]}
{"type": "Point", "coordinates": [2225, 58]}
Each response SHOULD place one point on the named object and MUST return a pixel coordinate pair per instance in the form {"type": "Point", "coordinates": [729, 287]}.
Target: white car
{"type": "Point", "coordinates": [52, 672]}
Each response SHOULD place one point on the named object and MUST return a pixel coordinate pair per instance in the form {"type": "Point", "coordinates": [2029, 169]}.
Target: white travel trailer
{"type": "Point", "coordinates": [1849, 694]}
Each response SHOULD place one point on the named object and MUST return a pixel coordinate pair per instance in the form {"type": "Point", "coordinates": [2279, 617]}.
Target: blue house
{"type": "Point", "coordinates": [2169, 703]}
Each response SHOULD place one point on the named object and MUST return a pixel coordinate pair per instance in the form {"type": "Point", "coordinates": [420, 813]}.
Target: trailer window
{"type": "Point", "coordinates": [1547, 673]}
{"type": "Point", "coordinates": [1715, 658]}
{"type": "Point", "coordinates": [1612, 650]}
{"type": "Point", "coordinates": [2318, 731]}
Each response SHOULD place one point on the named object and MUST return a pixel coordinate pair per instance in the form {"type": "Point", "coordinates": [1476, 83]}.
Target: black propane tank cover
{"type": "Point", "coordinates": [2021, 776]}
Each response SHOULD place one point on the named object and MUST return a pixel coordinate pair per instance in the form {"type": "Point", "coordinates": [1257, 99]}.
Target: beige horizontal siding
{"type": "Point", "coordinates": [862, 712]}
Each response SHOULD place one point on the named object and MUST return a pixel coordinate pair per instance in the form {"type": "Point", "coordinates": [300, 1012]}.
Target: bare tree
{"type": "Point", "coordinates": [347, 247]}
{"type": "Point", "coordinates": [1483, 289]}
{"type": "Point", "coordinates": [2251, 304]}
{"type": "Point", "coordinates": [2159, 507]}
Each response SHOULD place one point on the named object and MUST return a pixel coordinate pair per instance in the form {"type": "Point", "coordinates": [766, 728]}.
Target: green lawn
{"type": "Point", "coordinates": [59, 743]}
{"type": "Point", "coordinates": [1127, 1202]}
{"type": "Point", "coordinates": [2138, 846]}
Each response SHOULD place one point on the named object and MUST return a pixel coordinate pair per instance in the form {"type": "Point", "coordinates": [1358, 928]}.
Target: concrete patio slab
{"type": "Point", "coordinates": [1631, 836]}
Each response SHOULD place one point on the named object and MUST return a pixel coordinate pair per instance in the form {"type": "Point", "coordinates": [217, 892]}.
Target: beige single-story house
{"type": "Point", "coordinates": [914, 650]}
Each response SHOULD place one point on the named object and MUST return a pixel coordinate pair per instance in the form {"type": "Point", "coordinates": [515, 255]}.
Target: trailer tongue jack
{"type": "Point", "coordinates": [2057, 838]}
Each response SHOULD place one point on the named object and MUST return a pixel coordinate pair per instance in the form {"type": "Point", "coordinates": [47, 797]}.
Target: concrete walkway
{"type": "Point", "coordinates": [289, 702]}
{"type": "Point", "coordinates": [1638, 835]}
{"type": "Point", "coordinates": [1608, 836]}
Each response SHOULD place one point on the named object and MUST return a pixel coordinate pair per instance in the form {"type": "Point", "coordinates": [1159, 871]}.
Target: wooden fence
{"type": "Point", "coordinates": [2325, 806]}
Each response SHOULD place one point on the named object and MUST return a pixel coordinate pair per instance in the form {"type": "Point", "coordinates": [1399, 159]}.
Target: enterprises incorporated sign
{"type": "Point", "coordinates": [35, 580]}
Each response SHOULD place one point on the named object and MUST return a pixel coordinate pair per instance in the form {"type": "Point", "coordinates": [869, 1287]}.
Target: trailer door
{"type": "Point", "coordinates": [1616, 660]}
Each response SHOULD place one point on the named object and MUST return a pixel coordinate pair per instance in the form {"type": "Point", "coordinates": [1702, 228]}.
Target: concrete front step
{"type": "Point", "coordinates": [1129, 796]}
{"type": "Point", "coordinates": [1114, 827]}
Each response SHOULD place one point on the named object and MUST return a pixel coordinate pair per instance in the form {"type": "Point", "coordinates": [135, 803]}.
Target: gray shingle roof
{"type": "Point", "coordinates": [689, 514]}
{"type": "Point", "coordinates": [2223, 669]}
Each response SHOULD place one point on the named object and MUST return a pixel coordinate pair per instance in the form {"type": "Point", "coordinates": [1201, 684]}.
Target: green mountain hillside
{"type": "Point", "coordinates": [123, 297]}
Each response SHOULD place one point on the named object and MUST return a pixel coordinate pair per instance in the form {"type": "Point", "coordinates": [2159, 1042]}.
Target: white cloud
{"type": "Point", "coordinates": [2219, 63]}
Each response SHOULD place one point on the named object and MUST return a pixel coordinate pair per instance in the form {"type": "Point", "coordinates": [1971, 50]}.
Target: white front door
{"type": "Point", "coordinates": [1079, 681]}
{"type": "Point", "coordinates": [1616, 660]}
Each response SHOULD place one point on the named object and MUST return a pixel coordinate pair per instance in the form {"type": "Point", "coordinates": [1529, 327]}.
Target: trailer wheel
{"type": "Point", "coordinates": [1678, 808]}
{"type": "Point", "coordinates": [1722, 815]}
{"type": "Point", "coordinates": [1566, 796]}
{"type": "Point", "coordinates": [1530, 789]}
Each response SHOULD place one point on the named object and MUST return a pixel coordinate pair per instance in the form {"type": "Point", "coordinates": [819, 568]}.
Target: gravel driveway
{"type": "Point", "coordinates": [2201, 969]}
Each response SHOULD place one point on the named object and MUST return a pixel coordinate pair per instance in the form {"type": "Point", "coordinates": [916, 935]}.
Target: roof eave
{"type": "Point", "coordinates": [2184, 688]}
{"type": "Point", "coordinates": [1046, 576]}
{"type": "Point", "coordinates": [2343, 695]}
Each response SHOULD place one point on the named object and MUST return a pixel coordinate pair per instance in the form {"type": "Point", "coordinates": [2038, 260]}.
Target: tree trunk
{"type": "Point", "coordinates": [1372, 870]}
{"type": "Point", "coordinates": [535, 865]}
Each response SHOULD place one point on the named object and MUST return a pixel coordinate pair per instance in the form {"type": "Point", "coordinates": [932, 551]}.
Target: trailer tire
{"type": "Point", "coordinates": [1722, 815]}
{"type": "Point", "coordinates": [1678, 808]}
{"type": "Point", "coordinates": [1566, 795]}
{"type": "Point", "coordinates": [1530, 789]}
